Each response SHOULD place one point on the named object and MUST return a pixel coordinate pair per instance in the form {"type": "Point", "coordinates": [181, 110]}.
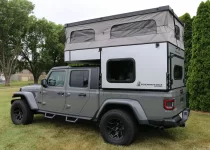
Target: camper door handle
{"type": "Point", "coordinates": [82, 94]}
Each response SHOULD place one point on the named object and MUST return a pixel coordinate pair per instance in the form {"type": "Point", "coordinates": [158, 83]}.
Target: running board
{"type": "Point", "coordinates": [71, 119]}
{"type": "Point", "coordinates": [50, 116]}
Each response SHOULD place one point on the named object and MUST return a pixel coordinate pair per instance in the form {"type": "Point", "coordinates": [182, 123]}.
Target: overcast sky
{"type": "Point", "coordinates": [67, 11]}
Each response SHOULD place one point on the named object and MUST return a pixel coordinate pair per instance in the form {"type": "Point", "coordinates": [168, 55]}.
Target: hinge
{"type": "Point", "coordinates": [100, 80]}
{"type": "Point", "coordinates": [171, 56]}
{"type": "Point", "coordinates": [171, 81]}
{"type": "Point", "coordinates": [168, 80]}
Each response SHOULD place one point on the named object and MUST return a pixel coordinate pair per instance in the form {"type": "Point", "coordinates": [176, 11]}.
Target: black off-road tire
{"type": "Point", "coordinates": [126, 120]}
{"type": "Point", "coordinates": [21, 113]}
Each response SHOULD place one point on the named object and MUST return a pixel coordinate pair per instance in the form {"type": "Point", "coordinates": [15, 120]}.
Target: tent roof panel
{"type": "Point", "coordinates": [142, 12]}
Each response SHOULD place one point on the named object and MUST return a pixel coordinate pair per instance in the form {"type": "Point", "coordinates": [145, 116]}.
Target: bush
{"type": "Point", "coordinates": [199, 70]}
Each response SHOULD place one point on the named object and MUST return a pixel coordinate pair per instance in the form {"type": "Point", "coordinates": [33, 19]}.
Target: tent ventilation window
{"type": "Point", "coordinates": [80, 36]}
{"type": "Point", "coordinates": [134, 29]}
{"type": "Point", "coordinates": [177, 32]}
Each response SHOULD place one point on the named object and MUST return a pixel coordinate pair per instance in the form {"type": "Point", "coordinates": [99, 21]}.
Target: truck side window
{"type": "Point", "coordinates": [121, 70]}
{"type": "Point", "coordinates": [79, 78]}
{"type": "Point", "coordinates": [178, 73]}
{"type": "Point", "coordinates": [56, 78]}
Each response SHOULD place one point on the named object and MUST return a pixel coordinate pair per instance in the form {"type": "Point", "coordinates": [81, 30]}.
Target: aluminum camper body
{"type": "Point", "coordinates": [152, 38]}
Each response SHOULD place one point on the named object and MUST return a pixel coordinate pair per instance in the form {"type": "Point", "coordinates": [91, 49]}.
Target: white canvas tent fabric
{"type": "Point", "coordinates": [103, 34]}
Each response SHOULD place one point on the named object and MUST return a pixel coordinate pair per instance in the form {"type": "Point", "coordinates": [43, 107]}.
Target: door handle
{"type": "Point", "coordinates": [44, 92]}
{"type": "Point", "coordinates": [68, 94]}
{"type": "Point", "coordinates": [61, 93]}
{"type": "Point", "coordinates": [82, 94]}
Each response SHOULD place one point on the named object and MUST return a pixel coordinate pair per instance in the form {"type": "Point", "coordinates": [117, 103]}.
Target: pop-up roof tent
{"type": "Point", "coordinates": [141, 27]}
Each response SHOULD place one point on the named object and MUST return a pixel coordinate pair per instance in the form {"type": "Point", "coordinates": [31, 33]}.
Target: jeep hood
{"type": "Point", "coordinates": [31, 88]}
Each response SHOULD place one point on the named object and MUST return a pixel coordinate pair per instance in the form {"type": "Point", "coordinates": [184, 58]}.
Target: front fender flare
{"type": "Point", "coordinates": [29, 97]}
{"type": "Point", "coordinates": [135, 105]}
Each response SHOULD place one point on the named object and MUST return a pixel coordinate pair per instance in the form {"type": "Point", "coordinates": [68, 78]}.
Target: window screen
{"type": "Point", "coordinates": [79, 78]}
{"type": "Point", "coordinates": [177, 32]}
{"type": "Point", "coordinates": [178, 72]}
{"type": "Point", "coordinates": [56, 78]}
{"type": "Point", "coordinates": [134, 29]}
{"type": "Point", "coordinates": [82, 36]}
{"type": "Point", "coordinates": [121, 71]}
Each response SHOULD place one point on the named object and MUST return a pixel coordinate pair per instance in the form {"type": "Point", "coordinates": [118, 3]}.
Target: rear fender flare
{"type": "Point", "coordinates": [133, 104]}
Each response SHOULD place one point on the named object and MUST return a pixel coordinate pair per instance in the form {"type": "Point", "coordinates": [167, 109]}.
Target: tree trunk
{"type": "Point", "coordinates": [36, 79]}
{"type": "Point", "coordinates": [7, 74]}
{"type": "Point", "coordinates": [7, 80]}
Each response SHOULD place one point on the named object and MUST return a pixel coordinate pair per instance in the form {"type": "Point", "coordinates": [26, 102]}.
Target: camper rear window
{"type": "Point", "coordinates": [134, 29]}
{"type": "Point", "coordinates": [80, 36]}
{"type": "Point", "coordinates": [178, 73]}
{"type": "Point", "coordinates": [121, 71]}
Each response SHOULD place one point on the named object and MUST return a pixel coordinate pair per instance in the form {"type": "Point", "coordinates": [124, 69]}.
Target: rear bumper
{"type": "Point", "coordinates": [176, 121]}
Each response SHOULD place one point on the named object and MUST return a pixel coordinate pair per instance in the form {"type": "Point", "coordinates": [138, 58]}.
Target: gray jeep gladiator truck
{"type": "Point", "coordinates": [75, 92]}
{"type": "Point", "coordinates": [139, 80]}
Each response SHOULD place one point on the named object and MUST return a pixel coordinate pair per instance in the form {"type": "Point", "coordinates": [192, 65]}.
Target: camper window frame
{"type": "Point", "coordinates": [121, 81]}
{"type": "Point", "coordinates": [175, 77]}
{"type": "Point", "coordinates": [82, 30]}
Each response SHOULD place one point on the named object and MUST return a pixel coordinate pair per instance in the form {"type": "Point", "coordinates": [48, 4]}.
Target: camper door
{"type": "Point", "coordinates": [177, 71]}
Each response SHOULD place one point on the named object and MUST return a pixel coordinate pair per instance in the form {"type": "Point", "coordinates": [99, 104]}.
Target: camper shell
{"type": "Point", "coordinates": [146, 45]}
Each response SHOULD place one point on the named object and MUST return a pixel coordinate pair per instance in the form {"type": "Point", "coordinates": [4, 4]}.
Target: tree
{"type": "Point", "coordinates": [43, 46]}
{"type": "Point", "coordinates": [13, 18]}
{"type": "Point", "coordinates": [199, 70]}
{"type": "Point", "coordinates": [187, 20]}
{"type": "Point", "coordinates": [34, 45]}
{"type": "Point", "coordinates": [54, 52]}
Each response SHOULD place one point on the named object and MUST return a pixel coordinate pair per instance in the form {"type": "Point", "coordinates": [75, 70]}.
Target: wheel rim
{"type": "Point", "coordinates": [18, 113]}
{"type": "Point", "coordinates": [115, 129]}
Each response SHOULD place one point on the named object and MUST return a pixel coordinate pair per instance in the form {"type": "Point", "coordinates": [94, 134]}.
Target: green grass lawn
{"type": "Point", "coordinates": [17, 84]}
{"type": "Point", "coordinates": [56, 134]}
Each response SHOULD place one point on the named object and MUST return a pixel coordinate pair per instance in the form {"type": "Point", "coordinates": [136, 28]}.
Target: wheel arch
{"type": "Point", "coordinates": [131, 106]}
{"type": "Point", "coordinates": [28, 96]}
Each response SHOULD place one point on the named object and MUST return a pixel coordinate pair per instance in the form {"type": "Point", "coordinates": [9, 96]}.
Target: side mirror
{"type": "Point", "coordinates": [85, 82]}
{"type": "Point", "coordinates": [44, 83]}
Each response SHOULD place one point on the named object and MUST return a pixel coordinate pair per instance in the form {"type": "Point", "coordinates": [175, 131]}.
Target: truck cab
{"type": "Point", "coordinates": [68, 90]}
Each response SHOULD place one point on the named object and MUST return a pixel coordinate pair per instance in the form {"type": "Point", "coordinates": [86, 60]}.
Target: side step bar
{"type": "Point", "coordinates": [50, 116]}
{"type": "Point", "coordinates": [68, 118]}
{"type": "Point", "coordinates": [71, 119]}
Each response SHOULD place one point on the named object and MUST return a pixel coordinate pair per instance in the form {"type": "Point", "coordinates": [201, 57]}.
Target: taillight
{"type": "Point", "coordinates": [169, 104]}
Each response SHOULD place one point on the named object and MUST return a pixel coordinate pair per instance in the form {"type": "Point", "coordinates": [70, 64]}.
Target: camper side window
{"type": "Point", "coordinates": [178, 72]}
{"type": "Point", "coordinates": [80, 36]}
{"type": "Point", "coordinates": [121, 70]}
{"type": "Point", "coordinates": [137, 28]}
{"type": "Point", "coordinates": [177, 32]}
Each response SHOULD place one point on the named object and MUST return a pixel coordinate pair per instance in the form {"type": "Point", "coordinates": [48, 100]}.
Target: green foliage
{"type": "Point", "coordinates": [34, 43]}
{"type": "Point", "coordinates": [54, 46]}
{"type": "Point", "coordinates": [13, 19]}
{"type": "Point", "coordinates": [199, 70]}
{"type": "Point", "coordinates": [43, 46]}
{"type": "Point", "coordinates": [187, 20]}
